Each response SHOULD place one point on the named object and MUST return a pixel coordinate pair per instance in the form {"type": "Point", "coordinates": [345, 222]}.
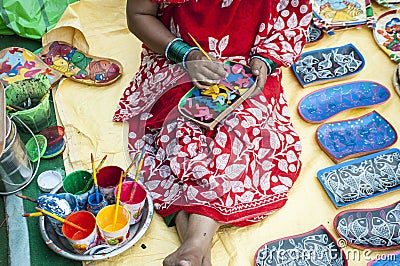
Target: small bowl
{"type": "Point", "coordinates": [53, 134]}
{"type": "Point", "coordinates": [32, 147]}
{"type": "Point", "coordinates": [48, 180]}
{"type": "Point", "coordinates": [55, 153]}
{"type": "Point", "coordinates": [54, 148]}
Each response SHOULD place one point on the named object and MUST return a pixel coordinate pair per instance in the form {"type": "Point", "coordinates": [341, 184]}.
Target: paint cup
{"type": "Point", "coordinates": [93, 205]}
{"type": "Point", "coordinates": [107, 180]}
{"type": "Point", "coordinates": [81, 240]}
{"type": "Point", "coordinates": [109, 234]}
{"type": "Point", "coordinates": [136, 204]}
{"type": "Point", "coordinates": [75, 183]}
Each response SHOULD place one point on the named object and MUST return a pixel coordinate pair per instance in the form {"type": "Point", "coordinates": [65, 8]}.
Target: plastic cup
{"type": "Point", "coordinates": [75, 183]}
{"type": "Point", "coordinates": [107, 180]}
{"type": "Point", "coordinates": [93, 205]}
{"type": "Point", "coordinates": [110, 234]}
{"type": "Point", "coordinates": [136, 204]}
{"type": "Point", "coordinates": [81, 240]}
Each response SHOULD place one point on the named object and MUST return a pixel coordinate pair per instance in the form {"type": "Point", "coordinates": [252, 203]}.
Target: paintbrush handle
{"type": "Point", "coordinates": [25, 197]}
{"type": "Point", "coordinates": [52, 215]}
{"type": "Point", "coordinates": [33, 214]}
{"type": "Point", "coordinates": [101, 163]}
{"type": "Point", "coordinates": [198, 46]}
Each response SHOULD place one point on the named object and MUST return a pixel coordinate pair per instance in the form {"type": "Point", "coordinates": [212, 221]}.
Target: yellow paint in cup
{"type": "Point", "coordinates": [110, 233]}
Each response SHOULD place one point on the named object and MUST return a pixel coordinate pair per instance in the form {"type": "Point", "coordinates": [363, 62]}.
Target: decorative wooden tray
{"type": "Point", "coordinates": [322, 104]}
{"type": "Point", "coordinates": [386, 34]}
{"type": "Point", "coordinates": [376, 229]}
{"type": "Point", "coordinates": [19, 63]}
{"type": "Point", "coordinates": [362, 178]}
{"type": "Point", "coordinates": [354, 137]}
{"type": "Point", "coordinates": [342, 14]}
{"type": "Point", "coordinates": [81, 67]}
{"type": "Point", "coordinates": [208, 107]}
{"type": "Point", "coordinates": [326, 65]}
{"type": "Point", "coordinates": [316, 247]}
{"type": "Point", "coordinates": [391, 259]}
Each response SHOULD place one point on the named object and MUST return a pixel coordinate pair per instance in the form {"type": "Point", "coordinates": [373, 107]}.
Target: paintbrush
{"type": "Point", "coordinates": [137, 174]}
{"type": "Point", "coordinates": [94, 175]}
{"type": "Point", "coordinates": [33, 214]}
{"type": "Point", "coordinates": [89, 183]}
{"type": "Point", "coordinates": [26, 197]}
{"type": "Point", "coordinates": [201, 49]}
{"type": "Point", "coordinates": [130, 166]}
{"type": "Point", "coordinates": [52, 215]}
{"type": "Point", "coordinates": [101, 163]}
{"type": "Point", "coordinates": [118, 199]}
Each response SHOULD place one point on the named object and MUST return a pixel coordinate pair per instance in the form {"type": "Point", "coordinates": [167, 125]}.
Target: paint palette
{"type": "Point", "coordinates": [61, 246]}
{"type": "Point", "coordinates": [326, 65]}
{"type": "Point", "coordinates": [362, 178]}
{"type": "Point", "coordinates": [386, 34]}
{"type": "Point", "coordinates": [77, 65]}
{"type": "Point", "coordinates": [314, 248]}
{"type": "Point", "coordinates": [208, 107]}
{"type": "Point", "coordinates": [322, 104]}
{"type": "Point", "coordinates": [18, 64]}
{"type": "Point", "coordinates": [375, 229]}
{"type": "Point", "coordinates": [354, 137]}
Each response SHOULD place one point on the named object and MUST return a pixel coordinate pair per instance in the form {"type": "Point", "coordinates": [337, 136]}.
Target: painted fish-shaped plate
{"type": "Point", "coordinates": [386, 34]}
{"type": "Point", "coordinates": [391, 259]}
{"type": "Point", "coordinates": [326, 65]}
{"type": "Point", "coordinates": [325, 103]}
{"type": "Point", "coordinates": [314, 248]}
{"type": "Point", "coordinates": [315, 34]}
{"type": "Point", "coordinates": [20, 64]}
{"type": "Point", "coordinates": [208, 107]}
{"type": "Point", "coordinates": [355, 137]}
{"type": "Point", "coordinates": [375, 229]}
{"type": "Point", "coordinates": [362, 178]}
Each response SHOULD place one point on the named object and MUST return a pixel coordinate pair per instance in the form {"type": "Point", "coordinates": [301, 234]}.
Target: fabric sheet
{"type": "Point", "coordinates": [86, 113]}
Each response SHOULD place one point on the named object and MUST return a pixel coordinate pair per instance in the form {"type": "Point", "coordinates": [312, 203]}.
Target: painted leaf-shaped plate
{"type": "Point", "coordinates": [386, 34]}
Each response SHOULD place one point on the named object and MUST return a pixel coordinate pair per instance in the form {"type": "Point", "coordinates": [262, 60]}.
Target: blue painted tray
{"type": "Point", "coordinates": [326, 65]}
{"type": "Point", "coordinates": [355, 137]}
{"type": "Point", "coordinates": [362, 178]}
{"type": "Point", "coordinates": [322, 104]}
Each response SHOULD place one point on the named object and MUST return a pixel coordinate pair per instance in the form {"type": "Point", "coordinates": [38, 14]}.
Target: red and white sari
{"type": "Point", "coordinates": [242, 170]}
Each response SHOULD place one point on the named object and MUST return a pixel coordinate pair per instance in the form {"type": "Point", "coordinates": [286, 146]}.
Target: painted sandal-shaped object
{"type": "Point", "coordinates": [18, 64]}
{"type": "Point", "coordinates": [346, 139]}
{"type": "Point", "coordinates": [322, 104]}
{"type": "Point", "coordinates": [316, 247]}
{"type": "Point", "coordinates": [362, 178]}
{"type": "Point", "coordinates": [77, 65]}
{"type": "Point", "coordinates": [375, 229]}
{"type": "Point", "coordinates": [386, 34]}
{"type": "Point", "coordinates": [326, 65]}
{"type": "Point", "coordinates": [391, 259]}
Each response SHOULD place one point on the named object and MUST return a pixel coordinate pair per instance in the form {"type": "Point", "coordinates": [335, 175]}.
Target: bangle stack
{"type": "Point", "coordinates": [271, 65]}
{"type": "Point", "coordinates": [177, 51]}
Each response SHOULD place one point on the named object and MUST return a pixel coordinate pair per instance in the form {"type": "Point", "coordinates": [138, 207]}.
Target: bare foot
{"type": "Point", "coordinates": [189, 254]}
{"type": "Point", "coordinates": [207, 257]}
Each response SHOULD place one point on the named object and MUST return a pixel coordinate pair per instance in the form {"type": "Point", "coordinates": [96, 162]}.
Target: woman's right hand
{"type": "Point", "coordinates": [202, 71]}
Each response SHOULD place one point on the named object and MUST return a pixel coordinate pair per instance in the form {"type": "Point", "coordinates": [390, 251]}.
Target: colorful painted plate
{"type": "Point", "coordinates": [36, 150]}
{"type": "Point", "coordinates": [77, 65]}
{"type": "Point", "coordinates": [322, 104]}
{"type": "Point", "coordinates": [326, 65]}
{"type": "Point", "coordinates": [391, 259]}
{"type": "Point", "coordinates": [396, 79]}
{"type": "Point", "coordinates": [313, 248]}
{"type": "Point", "coordinates": [208, 107]}
{"type": "Point", "coordinates": [375, 229]}
{"type": "Point", "coordinates": [315, 34]}
{"type": "Point", "coordinates": [355, 137]}
{"type": "Point", "coordinates": [362, 178]}
{"type": "Point", "coordinates": [18, 64]}
{"type": "Point", "coordinates": [386, 34]}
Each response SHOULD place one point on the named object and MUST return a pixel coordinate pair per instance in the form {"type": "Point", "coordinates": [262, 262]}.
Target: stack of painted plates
{"type": "Point", "coordinates": [55, 141]}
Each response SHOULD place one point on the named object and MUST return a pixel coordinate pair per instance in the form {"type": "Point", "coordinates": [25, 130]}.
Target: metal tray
{"type": "Point", "coordinates": [61, 246]}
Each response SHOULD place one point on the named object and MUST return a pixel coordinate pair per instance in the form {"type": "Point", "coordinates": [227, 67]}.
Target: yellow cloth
{"type": "Point", "coordinates": [99, 27]}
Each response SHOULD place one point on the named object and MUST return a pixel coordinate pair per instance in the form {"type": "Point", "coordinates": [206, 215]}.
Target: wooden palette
{"type": "Point", "coordinates": [362, 178]}
{"type": "Point", "coordinates": [326, 65]}
{"type": "Point", "coordinates": [355, 137]}
{"type": "Point", "coordinates": [386, 34]}
{"type": "Point", "coordinates": [208, 107]}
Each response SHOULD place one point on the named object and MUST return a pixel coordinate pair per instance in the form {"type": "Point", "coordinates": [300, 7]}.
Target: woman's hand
{"type": "Point", "coordinates": [202, 71]}
{"type": "Point", "coordinates": [260, 70]}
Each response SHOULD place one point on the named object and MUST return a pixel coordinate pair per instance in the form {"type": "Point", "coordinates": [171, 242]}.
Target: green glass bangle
{"type": "Point", "coordinates": [177, 50]}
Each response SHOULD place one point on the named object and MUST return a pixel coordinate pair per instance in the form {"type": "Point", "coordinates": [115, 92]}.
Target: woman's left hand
{"type": "Point", "coordinates": [260, 70]}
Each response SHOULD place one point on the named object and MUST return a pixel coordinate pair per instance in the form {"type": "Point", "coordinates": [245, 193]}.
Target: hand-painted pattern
{"type": "Point", "coordinates": [322, 104]}
{"type": "Point", "coordinates": [325, 65]}
{"type": "Point", "coordinates": [386, 34]}
{"type": "Point", "coordinates": [314, 248]}
{"type": "Point", "coordinates": [349, 138]}
{"type": "Point", "coordinates": [362, 178]}
{"type": "Point", "coordinates": [370, 228]}
{"type": "Point", "coordinates": [314, 34]}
